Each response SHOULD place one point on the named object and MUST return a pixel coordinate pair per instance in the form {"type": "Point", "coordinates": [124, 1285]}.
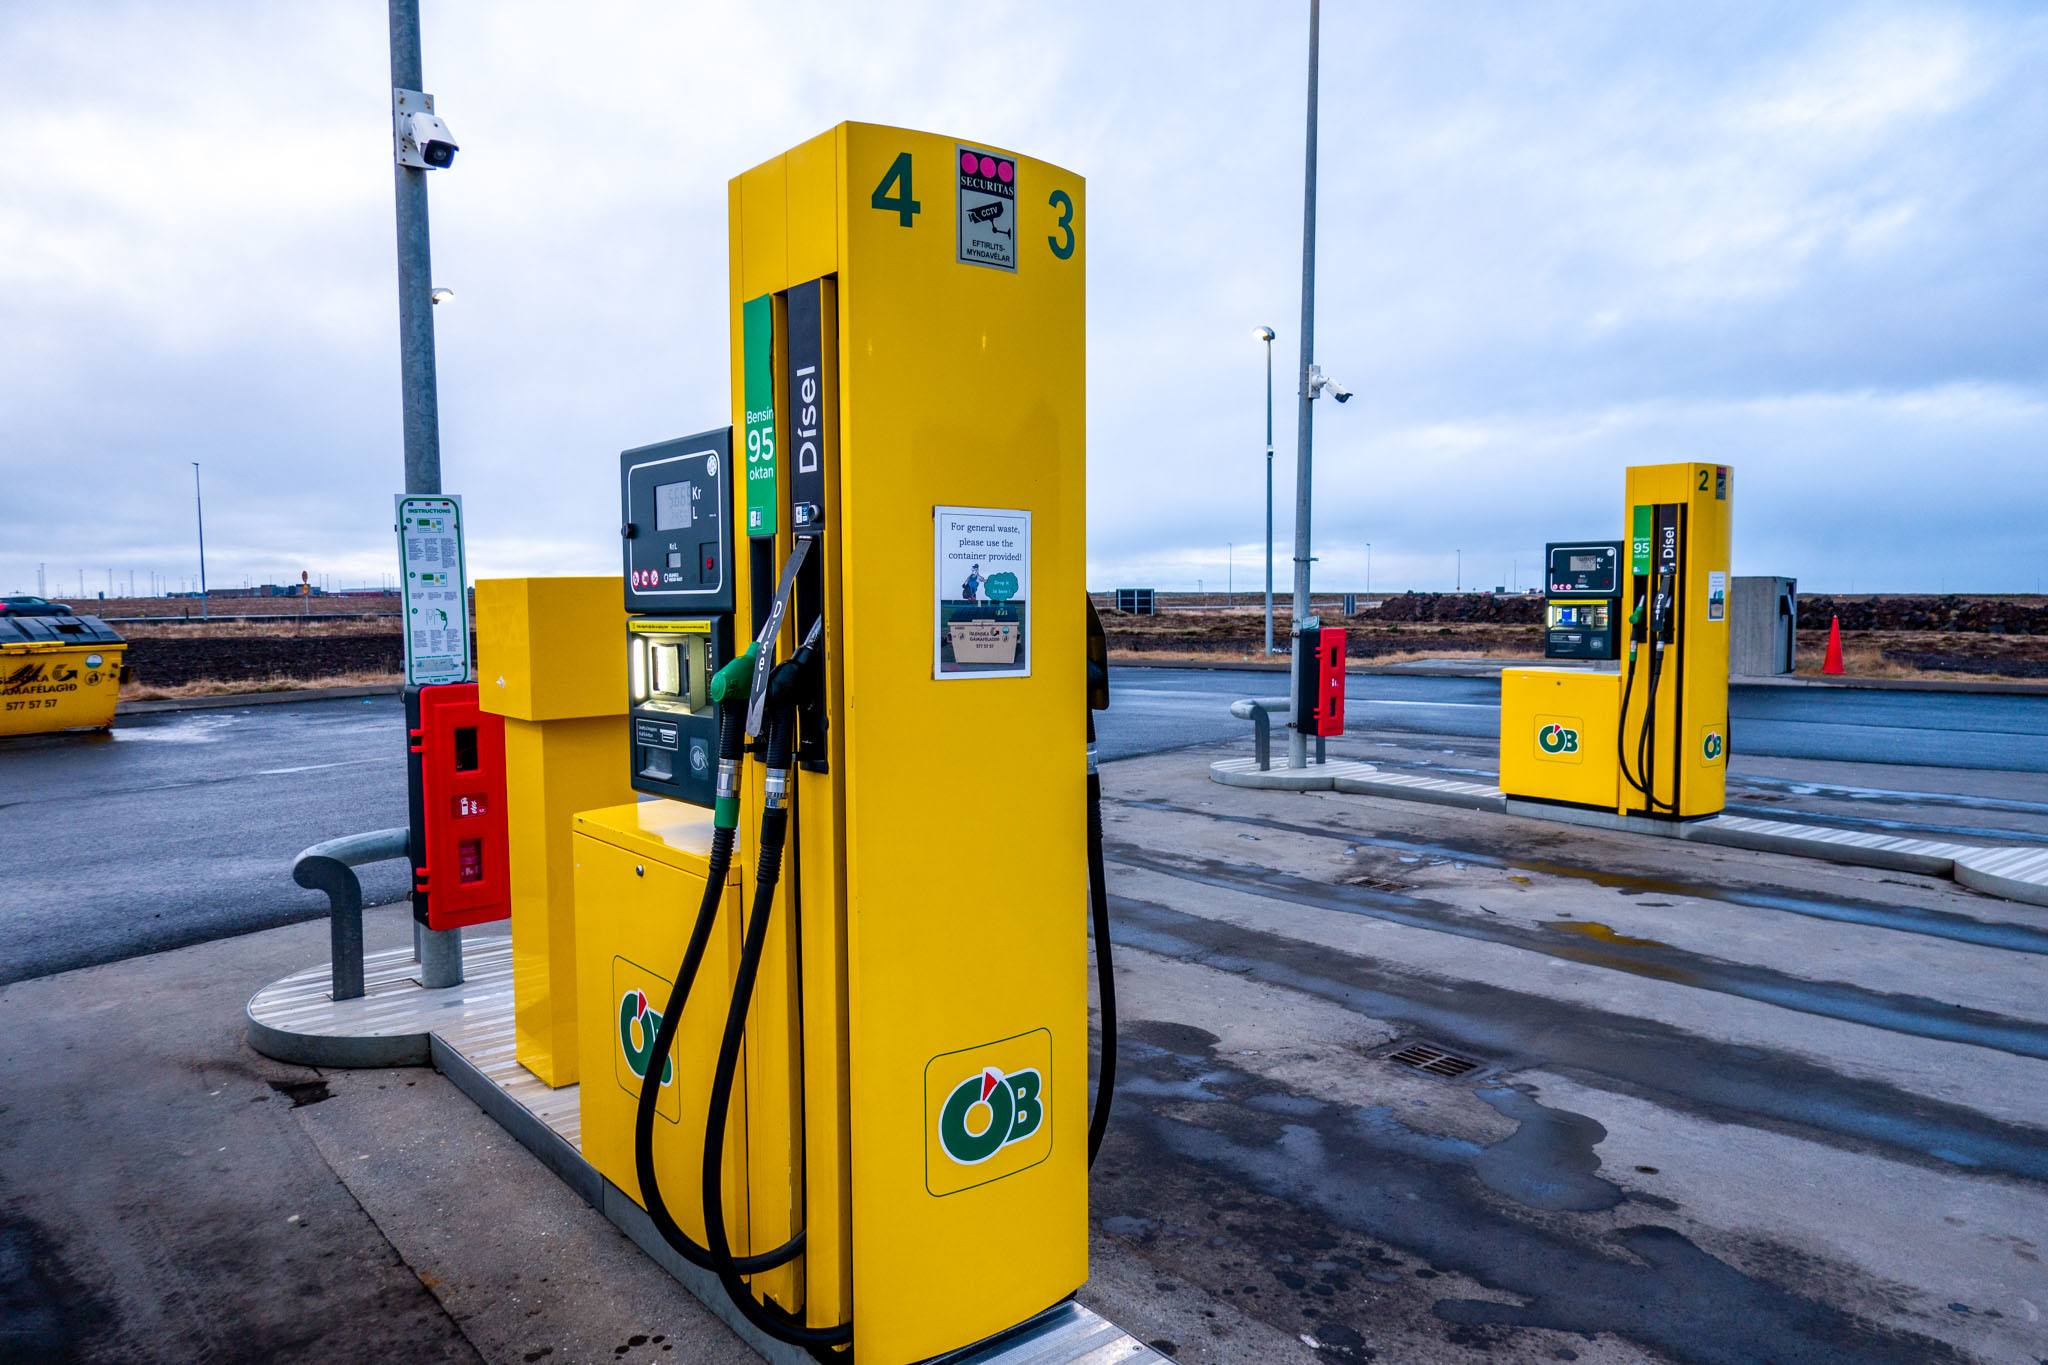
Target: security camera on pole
{"type": "Point", "coordinates": [1313, 383]}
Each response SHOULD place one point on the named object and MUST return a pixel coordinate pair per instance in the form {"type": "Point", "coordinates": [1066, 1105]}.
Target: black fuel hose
{"type": "Point", "coordinates": [769, 1318]}
{"type": "Point", "coordinates": [1105, 977]}
{"type": "Point", "coordinates": [730, 739]}
{"type": "Point", "coordinates": [1628, 688]}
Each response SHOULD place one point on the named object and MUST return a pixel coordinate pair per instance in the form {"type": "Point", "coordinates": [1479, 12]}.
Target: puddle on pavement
{"type": "Point", "coordinates": [197, 729]}
{"type": "Point", "coordinates": [1601, 933]}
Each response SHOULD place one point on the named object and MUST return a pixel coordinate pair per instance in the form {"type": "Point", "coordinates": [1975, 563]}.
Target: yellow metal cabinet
{"type": "Point", "coordinates": [639, 877]}
{"type": "Point", "coordinates": [1557, 732]}
{"type": "Point", "coordinates": [548, 661]}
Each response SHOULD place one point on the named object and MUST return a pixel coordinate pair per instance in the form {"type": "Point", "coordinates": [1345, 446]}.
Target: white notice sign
{"type": "Point", "coordinates": [981, 625]}
{"type": "Point", "coordinates": [435, 586]}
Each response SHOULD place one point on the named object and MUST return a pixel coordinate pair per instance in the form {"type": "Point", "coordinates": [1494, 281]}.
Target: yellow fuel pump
{"type": "Point", "coordinates": [835, 1032]}
{"type": "Point", "coordinates": [1651, 739]}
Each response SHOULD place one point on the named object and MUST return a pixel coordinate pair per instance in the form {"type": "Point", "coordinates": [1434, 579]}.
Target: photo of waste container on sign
{"type": "Point", "coordinates": [982, 559]}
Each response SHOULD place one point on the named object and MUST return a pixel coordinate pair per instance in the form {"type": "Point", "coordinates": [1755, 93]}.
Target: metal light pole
{"type": "Point", "coordinates": [1266, 335]}
{"type": "Point", "coordinates": [440, 950]}
{"type": "Point", "coordinates": [199, 505]}
{"type": "Point", "coordinates": [1297, 742]}
{"type": "Point", "coordinates": [1368, 568]}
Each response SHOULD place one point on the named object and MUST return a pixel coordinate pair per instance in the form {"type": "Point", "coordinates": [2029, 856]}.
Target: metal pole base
{"type": "Point", "coordinates": [440, 958]}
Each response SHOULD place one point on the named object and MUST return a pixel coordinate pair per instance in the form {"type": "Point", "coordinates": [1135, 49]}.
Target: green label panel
{"type": "Point", "coordinates": [1639, 544]}
{"type": "Point", "coordinates": [757, 326]}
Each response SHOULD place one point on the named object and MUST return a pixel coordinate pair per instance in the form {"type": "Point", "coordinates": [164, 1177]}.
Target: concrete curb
{"type": "Point", "coordinates": [1435, 791]}
{"type": "Point", "coordinates": [1320, 777]}
{"type": "Point", "coordinates": [2014, 874]}
{"type": "Point", "coordinates": [1492, 670]}
{"type": "Point", "coordinates": [148, 708]}
{"type": "Point", "coordinates": [2019, 874]}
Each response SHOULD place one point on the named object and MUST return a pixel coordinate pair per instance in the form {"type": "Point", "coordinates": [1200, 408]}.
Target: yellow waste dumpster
{"type": "Point", "coordinates": [58, 673]}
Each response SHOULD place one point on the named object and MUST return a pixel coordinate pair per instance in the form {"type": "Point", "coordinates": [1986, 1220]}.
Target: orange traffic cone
{"type": "Point", "coordinates": [1833, 663]}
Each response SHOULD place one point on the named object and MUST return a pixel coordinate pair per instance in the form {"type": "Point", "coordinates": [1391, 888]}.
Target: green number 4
{"type": "Point", "coordinates": [900, 203]}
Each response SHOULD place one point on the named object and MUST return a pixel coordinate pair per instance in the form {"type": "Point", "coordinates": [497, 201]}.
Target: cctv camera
{"type": "Point", "coordinates": [420, 138]}
{"type": "Point", "coordinates": [1318, 381]}
{"type": "Point", "coordinates": [431, 136]}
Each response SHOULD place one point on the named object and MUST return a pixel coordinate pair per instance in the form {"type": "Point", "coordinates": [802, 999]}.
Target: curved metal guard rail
{"type": "Point", "coordinates": [330, 867]}
{"type": "Point", "coordinates": [1260, 712]}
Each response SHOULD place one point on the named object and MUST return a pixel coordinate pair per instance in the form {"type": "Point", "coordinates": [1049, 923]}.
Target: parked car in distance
{"type": "Point", "coordinates": [32, 606]}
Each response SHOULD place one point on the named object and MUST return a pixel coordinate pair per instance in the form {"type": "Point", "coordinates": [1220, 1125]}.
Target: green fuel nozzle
{"type": "Point", "coordinates": [734, 679]}
{"type": "Point", "coordinates": [732, 682]}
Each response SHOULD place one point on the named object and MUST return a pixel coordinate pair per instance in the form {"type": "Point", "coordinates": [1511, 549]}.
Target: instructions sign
{"type": "Point", "coordinates": [982, 564]}
{"type": "Point", "coordinates": [757, 335]}
{"type": "Point", "coordinates": [1717, 594]}
{"type": "Point", "coordinates": [435, 584]}
{"type": "Point", "coordinates": [988, 209]}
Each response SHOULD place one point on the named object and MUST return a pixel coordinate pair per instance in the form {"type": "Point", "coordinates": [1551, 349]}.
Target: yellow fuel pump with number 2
{"type": "Point", "coordinates": [1651, 740]}
{"type": "Point", "coordinates": [908, 515]}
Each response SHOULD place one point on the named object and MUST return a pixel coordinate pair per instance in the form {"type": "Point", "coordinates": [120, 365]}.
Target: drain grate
{"type": "Point", "coordinates": [1435, 1061]}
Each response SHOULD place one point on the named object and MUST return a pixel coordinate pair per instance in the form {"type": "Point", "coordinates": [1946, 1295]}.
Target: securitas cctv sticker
{"type": "Point", "coordinates": [988, 209]}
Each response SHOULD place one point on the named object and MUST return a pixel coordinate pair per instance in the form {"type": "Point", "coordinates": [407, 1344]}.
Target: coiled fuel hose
{"type": "Point", "coordinates": [780, 731]}
{"type": "Point", "coordinates": [730, 680]}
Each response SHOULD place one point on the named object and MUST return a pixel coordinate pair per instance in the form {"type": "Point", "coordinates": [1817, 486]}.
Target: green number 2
{"type": "Point", "coordinates": [1065, 204]}
{"type": "Point", "coordinates": [901, 204]}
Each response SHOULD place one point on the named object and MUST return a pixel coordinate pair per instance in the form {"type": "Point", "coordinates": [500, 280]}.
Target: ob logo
{"type": "Point", "coordinates": [1557, 739]}
{"type": "Point", "coordinates": [988, 1111]}
{"type": "Point", "coordinates": [637, 1026]}
{"type": "Point", "coordinates": [1712, 745]}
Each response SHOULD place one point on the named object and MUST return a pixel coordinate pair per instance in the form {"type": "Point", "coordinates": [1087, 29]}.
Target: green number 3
{"type": "Point", "coordinates": [1065, 204]}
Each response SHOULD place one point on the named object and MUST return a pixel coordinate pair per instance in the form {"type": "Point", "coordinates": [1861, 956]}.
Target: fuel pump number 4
{"type": "Point", "coordinates": [895, 193]}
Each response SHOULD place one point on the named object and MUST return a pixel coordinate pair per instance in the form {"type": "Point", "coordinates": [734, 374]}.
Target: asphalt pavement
{"type": "Point", "coordinates": [180, 827]}
{"type": "Point", "coordinates": [1158, 708]}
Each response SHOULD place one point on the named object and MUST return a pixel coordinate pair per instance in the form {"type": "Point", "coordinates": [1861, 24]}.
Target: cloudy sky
{"type": "Point", "coordinates": [1809, 241]}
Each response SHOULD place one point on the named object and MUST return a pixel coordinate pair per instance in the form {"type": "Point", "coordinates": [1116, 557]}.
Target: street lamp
{"type": "Point", "coordinates": [1266, 334]}
{"type": "Point", "coordinates": [199, 505]}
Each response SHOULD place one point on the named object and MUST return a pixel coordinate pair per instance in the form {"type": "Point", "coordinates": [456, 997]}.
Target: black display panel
{"type": "Point", "coordinates": [677, 531]}
{"type": "Point", "coordinates": [1584, 570]}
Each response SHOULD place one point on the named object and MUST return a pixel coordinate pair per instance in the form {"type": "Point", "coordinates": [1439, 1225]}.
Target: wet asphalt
{"type": "Point", "coordinates": [1722, 1108]}
{"type": "Point", "coordinates": [180, 827]}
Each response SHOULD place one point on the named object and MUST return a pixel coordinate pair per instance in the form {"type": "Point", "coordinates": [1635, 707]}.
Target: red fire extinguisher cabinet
{"type": "Point", "coordinates": [461, 866]}
{"type": "Point", "coordinates": [1319, 704]}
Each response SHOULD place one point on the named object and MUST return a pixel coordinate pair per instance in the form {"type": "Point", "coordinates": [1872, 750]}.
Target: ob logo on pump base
{"type": "Point", "coordinates": [640, 995]}
{"type": "Point", "coordinates": [1556, 739]}
{"type": "Point", "coordinates": [986, 1112]}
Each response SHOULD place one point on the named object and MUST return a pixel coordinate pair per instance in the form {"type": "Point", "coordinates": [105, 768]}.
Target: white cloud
{"type": "Point", "coordinates": [1802, 240]}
